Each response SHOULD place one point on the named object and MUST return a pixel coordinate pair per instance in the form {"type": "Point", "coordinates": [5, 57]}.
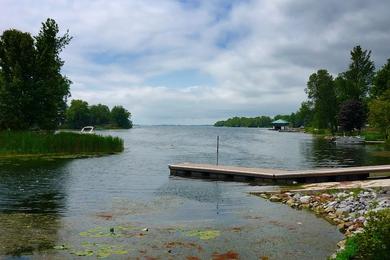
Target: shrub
{"type": "Point", "coordinates": [373, 242]}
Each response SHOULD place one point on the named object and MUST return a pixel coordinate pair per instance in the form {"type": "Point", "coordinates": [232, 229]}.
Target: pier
{"type": "Point", "coordinates": [234, 173]}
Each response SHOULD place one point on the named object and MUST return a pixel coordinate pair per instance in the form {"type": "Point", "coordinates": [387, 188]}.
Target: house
{"type": "Point", "coordinates": [280, 124]}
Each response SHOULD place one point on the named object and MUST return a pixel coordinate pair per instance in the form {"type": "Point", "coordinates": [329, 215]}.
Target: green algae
{"type": "Point", "coordinates": [101, 232]}
{"type": "Point", "coordinates": [203, 234]}
{"type": "Point", "coordinates": [94, 249]}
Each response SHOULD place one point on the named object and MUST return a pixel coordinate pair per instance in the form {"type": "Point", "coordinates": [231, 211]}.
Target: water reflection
{"type": "Point", "coordinates": [32, 197]}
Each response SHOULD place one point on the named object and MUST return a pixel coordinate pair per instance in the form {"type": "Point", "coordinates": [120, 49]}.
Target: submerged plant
{"type": "Point", "coordinates": [203, 234]}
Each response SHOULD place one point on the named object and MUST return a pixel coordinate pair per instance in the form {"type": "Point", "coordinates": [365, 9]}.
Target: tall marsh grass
{"type": "Point", "coordinates": [65, 143]}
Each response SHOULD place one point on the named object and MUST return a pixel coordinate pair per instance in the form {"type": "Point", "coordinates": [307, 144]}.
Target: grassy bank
{"type": "Point", "coordinates": [36, 143]}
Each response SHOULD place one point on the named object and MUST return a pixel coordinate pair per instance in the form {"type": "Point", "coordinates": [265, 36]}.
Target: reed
{"type": "Point", "coordinates": [64, 143]}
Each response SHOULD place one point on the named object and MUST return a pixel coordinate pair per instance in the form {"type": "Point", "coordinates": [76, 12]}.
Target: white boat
{"type": "Point", "coordinates": [88, 130]}
{"type": "Point", "coordinates": [349, 140]}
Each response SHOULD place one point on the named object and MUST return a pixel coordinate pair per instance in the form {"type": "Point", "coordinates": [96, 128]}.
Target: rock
{"type": "Point", "coordinates": [264, 196]}
{"type": "Point", "coordinates": [326, 196]}
{"type": "Point", "coordinates": [290, 202]}
{"type": "Point", "coordinates": [343, 211]}
{"type": "Point", "coordinates": [275, 198]}
{"type": "Point", "coordinates": [341, 244]}
{"type": "Point", "coordinates": [329, 209]}
{"type": "Point", "coordinates": [342, 195]}
{"type": "Point", "coordinates": [297, 196]}
{"type": "Point", "coordinates": [341, 226]}
{"type": "Point", "coordinates": [304, 199]}
{"type": "Point", "coordinates": [360, 219]}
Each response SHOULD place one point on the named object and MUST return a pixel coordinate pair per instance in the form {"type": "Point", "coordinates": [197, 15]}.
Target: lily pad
{"type": "Point", "coordinates": [60, 247]}
{"type": "Point", "coordinates": [203, 234]}
{"type": "Point", "coordinates": [99, 232]}
{"type": "Point", "coordinates": [83, 252]}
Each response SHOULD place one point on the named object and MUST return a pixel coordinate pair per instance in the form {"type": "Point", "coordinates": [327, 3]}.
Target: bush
{"type": "Point", "coordinates": [373, 242]}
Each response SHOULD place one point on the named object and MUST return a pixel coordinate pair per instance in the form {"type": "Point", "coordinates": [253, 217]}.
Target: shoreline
{"type": "Point", "coordinates": [346, 207]}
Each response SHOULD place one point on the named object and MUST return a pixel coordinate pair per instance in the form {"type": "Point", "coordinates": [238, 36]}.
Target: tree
{"type": "Point", "coordinates": [360, 74]}
{"type": "Point", "coordinates": [381, 81]}
{"type": "Point", "coordinates": [379, 113]}
{"type": "Point", "coordinates": [78, 114]}
{"type": "Point", "coordinates": [321, 92]}
{"type": "Point", "coordinates": [120, 117]}
{"type": "Point", "coordinates": [351, 115]}
{"type": "Point", "coordinates": [305, 114]}
{"type": "Point", "coordinates": [16, 80]}
{"type": "Point", "coordinates": [100, 115]}
{"type": "Point", "coordinates": [52, 88]}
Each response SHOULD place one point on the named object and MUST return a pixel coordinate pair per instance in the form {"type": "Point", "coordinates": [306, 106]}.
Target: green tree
{"type": "Point", "coordinates": [120, 117]}
{"type": "Point", "coordinates": [305, 114]}
{"type": "Point", "coordinates": [360, 74]}
{"type": "Point", "coordinates": [78, 115]}
{"type": "Point", "coordinates": [52, 88]}
{"type": "Point", "coordinates": [16, 80]}
{"type": "Point", "coordinates": [100, 115]}
{"type": "Point", "coordinates": [379, 113]}
{"type": "Point", "coordinates": [381, 82]}
{"type": "Point", "coordinates": [321, 92]}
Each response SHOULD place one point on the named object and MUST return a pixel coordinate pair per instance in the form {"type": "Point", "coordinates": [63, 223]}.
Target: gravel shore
{"type": "Point", "coordinates": [345, 208]}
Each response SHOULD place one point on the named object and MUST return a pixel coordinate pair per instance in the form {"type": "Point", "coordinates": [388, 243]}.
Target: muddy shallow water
{"type": "Point", "coordinates": [127, 205]}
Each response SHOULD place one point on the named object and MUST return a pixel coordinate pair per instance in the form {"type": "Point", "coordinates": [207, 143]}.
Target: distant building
{"type": "Point", "coordinates": [280, 124]}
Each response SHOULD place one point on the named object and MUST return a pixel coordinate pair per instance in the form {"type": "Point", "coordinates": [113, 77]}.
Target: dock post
{"type": "Point", "coordinates": [217, 149]}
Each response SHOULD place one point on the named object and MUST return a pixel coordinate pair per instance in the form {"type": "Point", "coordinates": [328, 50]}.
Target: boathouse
{"type": "Point", "coordinates": [280, 124]}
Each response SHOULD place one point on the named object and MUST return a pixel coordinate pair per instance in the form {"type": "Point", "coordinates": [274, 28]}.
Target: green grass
{"type": "Point", "coordinates": [65, 143]}
{"type": "Point", "coordinates": [372, 135]}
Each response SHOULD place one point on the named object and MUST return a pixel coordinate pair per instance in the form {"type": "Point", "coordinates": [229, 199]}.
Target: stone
{"type": "Point", "coordinates": [264, 196]}
{"type": "Point", "coordinates": [297, 196]}
{"type": "Point", "coordinates": [290, 202]}
{"type": "Point", "coordinates": [326, 196]}
{"type": "Point", "coordinates": [341, 226]}
{"type": "Point", "coordinates": [329, 209]}
{"type": "Point", "coordinates": [304, 199]}
{"type": "Point", "coordinates": [341, 244]}
{"type": "Point", "coordinates": [275, 198]}
{"type": "Point", "coordinates": [343, 211]}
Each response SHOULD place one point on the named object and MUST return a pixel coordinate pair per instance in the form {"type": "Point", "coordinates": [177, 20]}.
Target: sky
{"type": "Point", "coordinates": [196, 62]}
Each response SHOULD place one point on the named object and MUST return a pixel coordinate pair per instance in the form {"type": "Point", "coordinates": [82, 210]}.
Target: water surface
{"type": "Point", "coordinates": [127, 205]}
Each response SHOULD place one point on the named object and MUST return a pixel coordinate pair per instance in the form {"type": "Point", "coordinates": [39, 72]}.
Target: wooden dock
{"type": "Point", "coordinates": [275, 175]}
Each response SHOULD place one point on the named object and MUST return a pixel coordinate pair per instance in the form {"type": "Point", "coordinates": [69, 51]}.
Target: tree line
{"type": "Point", "coordinates": [80, 114]}
{"type": "Point", "coordinates": [344, 103]}
{"type": "Point", "coordinates": [34, 93]}
{"type": "Point", "coordinates": [260, 121]}
{"type": "Point", "coordinates": [357, 96]}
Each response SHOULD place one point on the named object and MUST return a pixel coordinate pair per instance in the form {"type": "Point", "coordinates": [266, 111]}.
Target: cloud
{"type": "Point", "coordinates": [194, 62]}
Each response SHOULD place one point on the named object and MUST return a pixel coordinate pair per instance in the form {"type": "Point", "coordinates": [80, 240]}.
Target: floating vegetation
{"type": "Point", "coordinates": [94, 249]}
{"type": "Point", "coordinates": [22, 233]}
{"type": "Point", "coordinates": [117, 231]}
{"type": "Point", "coordinates": [203, 234]}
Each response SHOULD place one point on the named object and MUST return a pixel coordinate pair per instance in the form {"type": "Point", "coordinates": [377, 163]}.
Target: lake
{"type": "Point", "coordinates": [127, 205]}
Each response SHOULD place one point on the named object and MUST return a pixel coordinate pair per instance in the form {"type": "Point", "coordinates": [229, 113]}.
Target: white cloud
{"type": "Point", "coordinates": [259, 53]}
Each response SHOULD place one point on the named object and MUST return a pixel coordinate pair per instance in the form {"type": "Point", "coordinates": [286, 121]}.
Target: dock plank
{"type": "Point", "coordinates": [321, 174]}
